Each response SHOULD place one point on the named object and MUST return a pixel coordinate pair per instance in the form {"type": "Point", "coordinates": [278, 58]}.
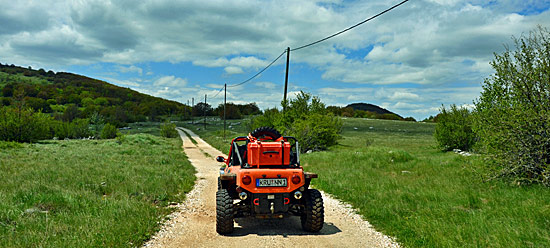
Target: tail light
{"type": "Point", "coordinates": [286, 201]}
{"type": "Point", "coordinates": [296, 179]}
{"type": "Point", "coordinates": [246, 180]}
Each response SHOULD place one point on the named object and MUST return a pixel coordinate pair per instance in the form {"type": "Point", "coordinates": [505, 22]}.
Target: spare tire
{"type": "Point", "coordinates": [266, 131]}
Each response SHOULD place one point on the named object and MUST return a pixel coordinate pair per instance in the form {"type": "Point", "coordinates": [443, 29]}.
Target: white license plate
{"type": "Point", "coordinates": [271, 182]}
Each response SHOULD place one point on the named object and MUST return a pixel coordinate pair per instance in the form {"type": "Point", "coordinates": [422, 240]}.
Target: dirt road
{"type": "Point", "coordinates": [193, 223]}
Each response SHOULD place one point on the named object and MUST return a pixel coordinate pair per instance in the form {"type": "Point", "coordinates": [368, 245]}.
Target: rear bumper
{"type": "Point", "coordinates": [270, 204]}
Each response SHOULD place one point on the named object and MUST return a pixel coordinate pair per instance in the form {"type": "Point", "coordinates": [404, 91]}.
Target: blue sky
{"type": "Point", "coordinates": [411, 60]}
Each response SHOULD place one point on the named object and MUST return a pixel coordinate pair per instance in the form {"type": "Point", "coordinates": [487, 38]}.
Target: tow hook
{"type": "Point", "coordinates": [272, 208]}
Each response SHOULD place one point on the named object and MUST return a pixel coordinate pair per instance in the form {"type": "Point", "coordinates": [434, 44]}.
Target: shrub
{"type": "Point", "coordinates": [513, 111]}
{"type": "Point", "coordinates": [109, 131]}
{"type": "Point", "coordinates": [305, 118]}
{"type": "Point", "coordinates": [96, 123]}
{"type": "Point", "coordinates": [23, 125]}
{"type": "Point", "coordinates": [168, 130]}
{"type": "Point", "coordinates": [79, 128]}
{"type": "Point", "coordinates": [60, 130]}
{"type": "Point", "coordinates": [270, 118]}
{"type": "Point", "coordinates": [232, 111]}
{"type": "Point", "coordinates": [454, 129]}
{"type": "Point", "coordinates": [316, 131]}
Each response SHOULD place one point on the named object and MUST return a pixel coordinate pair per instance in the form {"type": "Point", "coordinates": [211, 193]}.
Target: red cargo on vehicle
{"type": "Point", "coordinates": [268, 153]}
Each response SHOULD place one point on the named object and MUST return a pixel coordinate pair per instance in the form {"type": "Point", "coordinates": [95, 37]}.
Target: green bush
{"type": "Point", "coordinates": [23, 125]}
{"type": "Point", "coordinates": [60, 129]}
{"type": "Point", "coordinates": [454, 129]}
{"type": "Point", "coordinates": [231, 112]}
{"type": "Point", "coordinates": [305, 118]}
{"type": "Point", "coordinates": [316, 131]}
{"type": "Point", "coordinates": [109, 131]}
{"type": "Point", "coordinates": [270, 118]}
{"type": "Point", "coordinates": [96, 123]}
{"type": "Point", "coordinates": [168, 130]}
{"type": "Point", "coordinates": [513, 111]}
{"type": "Point", "coordinates": [79, 128]}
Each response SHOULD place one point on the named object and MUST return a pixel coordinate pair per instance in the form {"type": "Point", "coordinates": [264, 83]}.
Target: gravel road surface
{"type": "Point", "coordinates": [193, 223]}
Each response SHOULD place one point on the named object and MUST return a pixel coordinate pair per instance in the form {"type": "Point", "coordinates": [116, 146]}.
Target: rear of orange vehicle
{"type": "Point", "coordinates": [266, 176]}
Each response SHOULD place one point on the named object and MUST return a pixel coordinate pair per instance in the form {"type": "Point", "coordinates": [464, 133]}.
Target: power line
{"type": "Point", "coordinates": [311, 44]}
{"type": "Point", "coordinates": [347, 29]}
{"type": "Point", "coordinates": [218, 92]}
{"type": "Point", "coordinates": [248, 80]}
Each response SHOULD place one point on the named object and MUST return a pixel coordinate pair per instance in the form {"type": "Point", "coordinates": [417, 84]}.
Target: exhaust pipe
{"type": "Point", "coordinates": [243, 195]}
{"type": "Point", "coordinates": [298, 195]}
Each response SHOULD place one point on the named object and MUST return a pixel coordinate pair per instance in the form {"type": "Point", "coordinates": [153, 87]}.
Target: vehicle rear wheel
{"type": "Point", "coordinates": [314, 214]}
{"type": "Point", "coordinates": [224, 212]}
{"type": "Point", "coordinates": [266, 131]}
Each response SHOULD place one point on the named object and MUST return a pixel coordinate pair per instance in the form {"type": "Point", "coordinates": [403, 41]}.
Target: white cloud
{"type": "Point", "coordinates": [266, 85]}
{"type": "Point", "coordinates": [131, 68]}
{"type": "Point", "coordinates": [122, 82]}
{"type": "Point", "coordinates": [233, 70]}
{"type": "Point", "coordinates": [440, 46]}
{"type": "Point", "coordinates": [170, 81]}
{"type": "Point", "coordinates": [407, 96]}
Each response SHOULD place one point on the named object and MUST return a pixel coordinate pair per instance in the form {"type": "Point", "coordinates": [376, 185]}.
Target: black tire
{"type": "Point", "coordinates": [313, 217]}
{"type": "Point", "coordinates": [224, 212]}
{"type": "Point", "coordinates": [219, 183]}
{"type": "Point", "coordinates": [266, 131]}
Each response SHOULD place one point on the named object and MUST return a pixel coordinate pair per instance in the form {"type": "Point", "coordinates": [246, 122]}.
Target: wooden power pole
{"type": "Point", "coordinates": [286, 74]}
{"type": "Point", "coordinates": [224, 108]}
{"type": "Point", "coordinates": [204, 111]}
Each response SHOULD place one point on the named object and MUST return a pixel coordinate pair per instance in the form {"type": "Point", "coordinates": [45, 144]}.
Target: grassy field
{"type": "Point", "coordinates": [89, 193]}
{"type": "Point", "coordinates": [393, 174]}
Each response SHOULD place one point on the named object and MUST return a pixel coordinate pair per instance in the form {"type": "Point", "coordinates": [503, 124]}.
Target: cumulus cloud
{"type": "Point", "coordinates": [267, 85]}
{"type": "Point", "coordinates": [233, 70]}
{"type": "Point", "coordinates": [122, 82]}
{"type": "Point", "coordinates": [170, 81]}
{"type": "Point", "coordinates": [131, 68]}
{"type": "Point", "coordinates": [440, 45]}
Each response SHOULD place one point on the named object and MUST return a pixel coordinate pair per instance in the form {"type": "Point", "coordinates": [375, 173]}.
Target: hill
{"type": "Point", "coordinates": [371, 108]}
{"type": "Point", "coordinates": [68, 96]}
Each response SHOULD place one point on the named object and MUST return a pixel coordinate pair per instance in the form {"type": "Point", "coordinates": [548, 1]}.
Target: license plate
{"type": "Point", "coordinates": [271, 182]}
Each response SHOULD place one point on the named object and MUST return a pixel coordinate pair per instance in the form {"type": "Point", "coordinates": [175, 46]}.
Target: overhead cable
{"type": "Point", "coordinates": [248, 80]}
{"type": "Point", "coordinates": [218, 92]}
{"type": "Point", "coordinates": [347, 29]}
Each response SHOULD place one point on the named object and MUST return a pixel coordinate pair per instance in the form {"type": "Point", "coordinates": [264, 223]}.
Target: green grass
{"type": "Point", "coordinates": [213, 134]}
{"type": "Point", "coordinates": [397, 179]}
{"type": "Point", "coordinates": [152, 128]}
{"type": "Point", "coordinates": [89, 193]}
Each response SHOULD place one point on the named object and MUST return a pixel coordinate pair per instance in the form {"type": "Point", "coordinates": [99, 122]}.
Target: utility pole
{"type": "Point", "coordinates": [186, 109]}
{"type": "Point", "coordinates": [224, 108]}
{"type": "Point", "coordinates": [286, 75]}
{"type": "Point", "coordinates": [192, 107]}
{"type": "Point", "coordinates": [204, 111]}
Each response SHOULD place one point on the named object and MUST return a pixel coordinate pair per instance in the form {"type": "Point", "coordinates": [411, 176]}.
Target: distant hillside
{"type": "Point", "coordinates": [371, 108]}
{"type": "Point", "coordinates": [68, 96]}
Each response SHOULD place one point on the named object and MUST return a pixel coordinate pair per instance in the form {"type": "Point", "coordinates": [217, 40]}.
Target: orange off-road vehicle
{"type": "Point", "coordinates": [263, 179]}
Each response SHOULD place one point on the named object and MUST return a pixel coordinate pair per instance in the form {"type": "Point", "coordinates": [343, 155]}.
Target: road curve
{"type": "Point", "coordinates": [193, 222]}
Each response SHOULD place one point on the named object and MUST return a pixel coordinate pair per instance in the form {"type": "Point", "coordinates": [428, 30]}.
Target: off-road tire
{"type": "Point", "coordinates": [224, 212]}
{"type": "Point", "coordinates": [266, 131]}
{"type": "Point", "coordinates": [219, 183]}
{"type": "Point", "coordinates": [314, 214]}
